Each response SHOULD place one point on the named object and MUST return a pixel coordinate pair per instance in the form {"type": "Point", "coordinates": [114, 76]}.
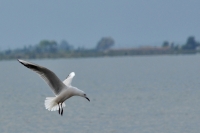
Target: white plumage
{"type": "Point", "coordinates": [62, 90]}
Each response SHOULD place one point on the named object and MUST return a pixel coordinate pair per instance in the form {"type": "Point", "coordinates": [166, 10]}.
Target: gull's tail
{"type": "Point", "coordinates": [51, 105]}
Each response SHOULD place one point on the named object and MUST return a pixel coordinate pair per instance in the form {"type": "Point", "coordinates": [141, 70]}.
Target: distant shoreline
{"type": "Point", "coordinates": [52, 49]}
{"type": "Point", "coordinates": [94, 53]}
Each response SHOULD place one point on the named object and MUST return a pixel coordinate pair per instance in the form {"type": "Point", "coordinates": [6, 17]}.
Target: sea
{"type": "Point", "coordinates": [130, 94]}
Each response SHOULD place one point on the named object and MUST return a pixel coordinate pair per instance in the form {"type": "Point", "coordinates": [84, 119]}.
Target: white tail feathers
{"type": "Point", "coordinates": [51, 105]}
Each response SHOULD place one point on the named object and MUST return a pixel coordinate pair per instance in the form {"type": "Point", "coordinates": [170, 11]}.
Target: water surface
{"type": "Point", "coordinates": [157, 94]}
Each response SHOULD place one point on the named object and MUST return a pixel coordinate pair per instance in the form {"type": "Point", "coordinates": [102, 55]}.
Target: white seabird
{"type": "Point", "coordinates": [62, 90]}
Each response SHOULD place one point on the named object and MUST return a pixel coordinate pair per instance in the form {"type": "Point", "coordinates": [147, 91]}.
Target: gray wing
{"type": "Point", "coordinates": [49, 77]}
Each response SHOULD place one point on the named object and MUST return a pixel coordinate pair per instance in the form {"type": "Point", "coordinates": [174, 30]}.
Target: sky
{"type": "Point", "coordinates": [82, 23]}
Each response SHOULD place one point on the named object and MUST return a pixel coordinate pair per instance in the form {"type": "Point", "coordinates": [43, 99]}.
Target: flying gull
{"type": "Point", "coordinates": [62, 90]}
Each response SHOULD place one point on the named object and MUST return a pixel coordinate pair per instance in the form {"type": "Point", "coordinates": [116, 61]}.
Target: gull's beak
{"type": "Point", "coordinates": [87, 99]}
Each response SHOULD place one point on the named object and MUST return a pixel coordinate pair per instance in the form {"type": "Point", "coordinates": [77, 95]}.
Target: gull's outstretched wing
{"type": "Point", "coordinates": [68, 80]}
{"type": "Point", "coordinates": [49, 77]}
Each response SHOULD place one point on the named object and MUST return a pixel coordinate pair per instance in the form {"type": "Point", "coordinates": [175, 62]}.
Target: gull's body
{"type": "Point", "coordinates": [62, 90]}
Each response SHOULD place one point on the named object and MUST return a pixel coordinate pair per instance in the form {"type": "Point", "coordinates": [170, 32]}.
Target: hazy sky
{"type": "Point", "coordinates": [84, 22]}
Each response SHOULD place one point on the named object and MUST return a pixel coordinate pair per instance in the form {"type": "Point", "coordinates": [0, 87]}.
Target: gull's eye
{"type": "Point", "coordinates": [84, 94]}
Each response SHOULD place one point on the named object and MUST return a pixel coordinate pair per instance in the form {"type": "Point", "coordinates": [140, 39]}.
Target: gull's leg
{"type": "Point", "coordinates": [61, 109]}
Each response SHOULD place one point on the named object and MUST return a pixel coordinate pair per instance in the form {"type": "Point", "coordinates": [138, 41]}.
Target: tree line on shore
{"type": "Point", "coordinates": [191, 44]}
{"type": "Point", "coordinates": [52, 49]}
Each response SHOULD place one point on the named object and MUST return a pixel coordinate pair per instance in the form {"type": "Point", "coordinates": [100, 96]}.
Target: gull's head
{"type": "Point", "coordinates": [80, 93]}
{"type": "Point", "coordinates": [85, 96]}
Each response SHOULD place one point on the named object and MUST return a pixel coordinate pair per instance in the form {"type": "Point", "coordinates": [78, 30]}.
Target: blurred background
{"type": "Point", "coordinates": [141, 72]}
{"type": "Point", "coordinates": [126, 27]}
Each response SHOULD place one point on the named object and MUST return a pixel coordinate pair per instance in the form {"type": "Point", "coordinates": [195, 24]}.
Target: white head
{"type": "Point", "coordinates": [81, 93]}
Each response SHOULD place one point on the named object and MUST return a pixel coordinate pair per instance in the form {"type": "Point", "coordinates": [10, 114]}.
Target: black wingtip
{"type": "Point", "coordinates": [21, 61]}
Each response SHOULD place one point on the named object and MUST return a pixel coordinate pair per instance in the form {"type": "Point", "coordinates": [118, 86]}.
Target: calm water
{"type": "Point", "coordinates": [157, 94]}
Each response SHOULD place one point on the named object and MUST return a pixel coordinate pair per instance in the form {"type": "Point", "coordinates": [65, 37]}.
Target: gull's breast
{"type": "Point", "coordinates": [64, 95]}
